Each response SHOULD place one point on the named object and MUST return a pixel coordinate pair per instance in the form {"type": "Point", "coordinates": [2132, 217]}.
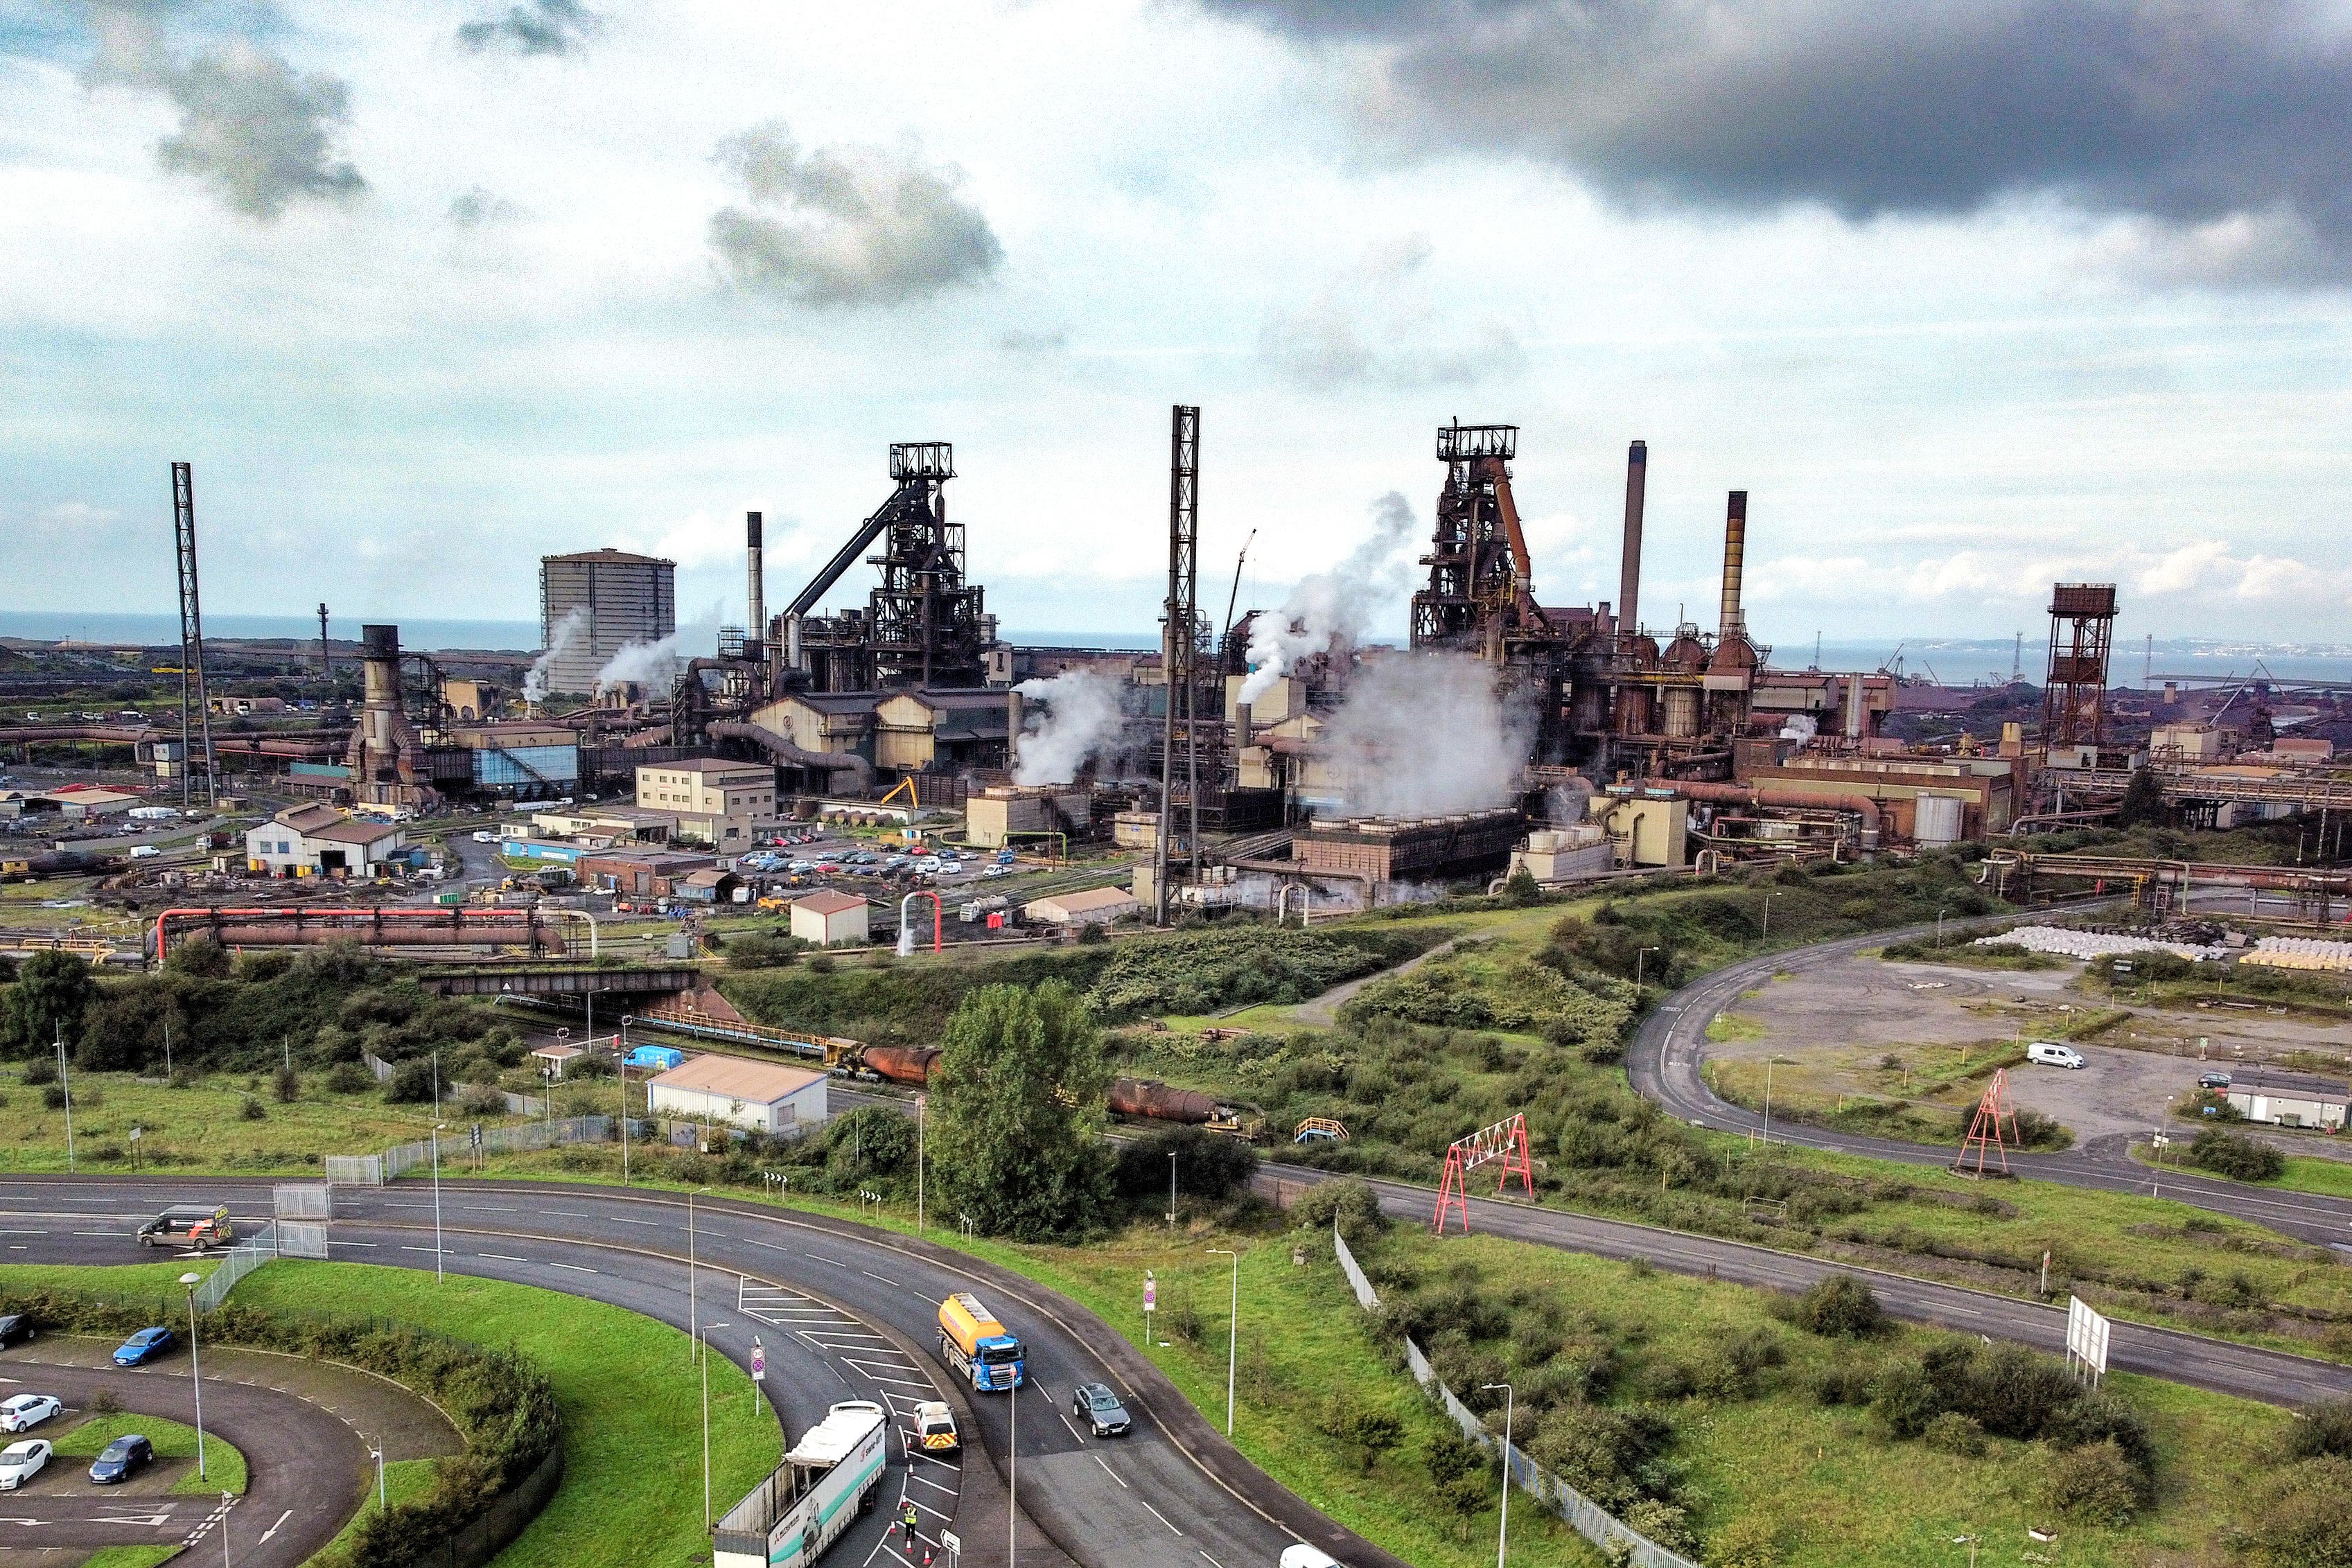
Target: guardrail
{"type": "Point", "coordinates": [1617, 1540]}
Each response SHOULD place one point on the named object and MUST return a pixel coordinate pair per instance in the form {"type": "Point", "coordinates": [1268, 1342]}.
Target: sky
{"type": "Point", "coordinates": [1970, 297]}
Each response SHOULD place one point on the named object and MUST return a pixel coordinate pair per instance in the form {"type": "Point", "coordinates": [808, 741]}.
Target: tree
{"type": "Point", "coordinates": [199, 956]}
{"type": "Point", "coordinates": [51, 993]}
{"type": "Point", "coordinates": [1017, 1111]}
{"type": "Point", "coordinates": [1207, 1167]}
{"type": "Point", "coordinates": [1521, 891]}
{"type": "Point", "coordinates": [2142, 801]}
{"type": "Point", "coordinates": [1841, 1306]}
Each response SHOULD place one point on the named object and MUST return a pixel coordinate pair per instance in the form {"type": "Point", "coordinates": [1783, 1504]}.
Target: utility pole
{"type": "Point", "coordinates": [192, 640]}
{"type": "Point", "coordinates": [326, 659]}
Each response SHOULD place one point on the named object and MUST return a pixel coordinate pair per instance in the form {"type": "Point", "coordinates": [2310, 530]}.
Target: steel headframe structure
{"type": "Point", "coordinates": [1181, 652]}
{"type": "Point", "coordinates": [192, 640]}
{"type": "Point", "coordinates": [1985, 1134]}
{"type": "Point", "coordinates": [1506, 1142]}
{"type": "Point", "coordinates": [2074, 695]}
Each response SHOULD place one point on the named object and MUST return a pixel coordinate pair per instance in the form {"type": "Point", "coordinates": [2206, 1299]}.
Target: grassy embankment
{"type": "Point", "coordinates": [621, 1379]}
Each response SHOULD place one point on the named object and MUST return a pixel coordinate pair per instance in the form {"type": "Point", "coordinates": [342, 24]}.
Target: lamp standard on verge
{"type": "Point", "coordinates": [693, 1304]}
{"type": "Point", "coordinates": [189, 1283]}
{"type": "Point", "coordinates": [920, 1101]}
{"type": "Point", "coordinates": [1232, 1333]}
{"type": "Point", "coordinates": [1638, 959]}
{"type": "Point", "coordinates": [706, 1431]}
{"type": "Point", "coordinates": [1503, 1534]}
{"type": "Point", "coordinates": [1013, 1472]}
{"type": "Point", "coordinates": [436, 1200]}
{"type": "Point", "coordinates": [1765, 936]}
{"type": "Point", "coordinates": [380, 1503]}
{"type": "Point", "coordinates": [1171, 1192]}
{"type": "Point", "coordinates": [65, 1082]}
{"type": "Point", "coordinates": [1950, 895]}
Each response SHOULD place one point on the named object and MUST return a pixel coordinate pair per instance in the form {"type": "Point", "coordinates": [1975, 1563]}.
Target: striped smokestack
{"type": "Point", "coordinates": [1735, 549]}
{"type": "Point", "coordinates": [1629, 575]}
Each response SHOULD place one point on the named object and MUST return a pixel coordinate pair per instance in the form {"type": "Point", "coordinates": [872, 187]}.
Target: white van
{"type": "Point", "coordinates": [2048, 1054]}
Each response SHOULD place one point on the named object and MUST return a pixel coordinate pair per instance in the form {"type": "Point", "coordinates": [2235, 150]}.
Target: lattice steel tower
{"type": "Point", "coordinates": [1184, 651]}
{"type": "Point", "coordinates": [2074, 696]}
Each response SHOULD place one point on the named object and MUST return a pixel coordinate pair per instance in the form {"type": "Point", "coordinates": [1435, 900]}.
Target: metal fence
{"type": "Point", "coordinates": [302, 1200]}
{"type": "Point", "coordinates": [1587, 1518]}
{"type": "Point", "coordinates": [301, 1238]}
{"type": "Point", "coordinates": [355, 1170]}
{"type": "Point", "coordinates": [546, 1134]}
{"type": "Point", "coordinates": [248, 1254]}
{"type": "Point", "coordinates": [496, 1526]}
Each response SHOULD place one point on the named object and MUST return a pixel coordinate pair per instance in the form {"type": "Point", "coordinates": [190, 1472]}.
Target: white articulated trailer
{"type": "Point", "coordinates": [824, 1484]}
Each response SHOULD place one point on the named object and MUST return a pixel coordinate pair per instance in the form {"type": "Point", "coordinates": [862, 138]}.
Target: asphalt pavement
{"type": "Point", "coordinates": [843, 1311]}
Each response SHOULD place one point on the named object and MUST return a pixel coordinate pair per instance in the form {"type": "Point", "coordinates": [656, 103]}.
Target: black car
{"type": "Point", "coordinates": [122, 1458]}
{"type": "Point", "coordinates": [15, 1326]}
{"type": "Point", "coordinates": [2213, 1081]}
{"type": "Point", "coordinates": [1095, 1405]}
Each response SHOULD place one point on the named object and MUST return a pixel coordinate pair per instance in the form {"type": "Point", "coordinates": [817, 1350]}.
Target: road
{"type": "Point", "coordinates": [1663, 1061]}
{"type": "Point", "coordinates": [844, 1311]}
{"type": "Point", "coordinates": [306, 1469]}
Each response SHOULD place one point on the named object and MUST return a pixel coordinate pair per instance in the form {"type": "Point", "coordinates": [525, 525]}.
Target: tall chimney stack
{"type": "Point", "coordinates": [1735, 549]}
{"type": "Point", "coordinates": [755, 631]}
{"type": "Point", "coordinates": [1629, 575]}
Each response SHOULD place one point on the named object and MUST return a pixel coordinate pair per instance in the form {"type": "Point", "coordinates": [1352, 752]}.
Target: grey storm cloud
{"type": "Point", "coordinates": [2193, 115]}
{"type": "Point", "coordinates": [848, 224]}
{"type": "Point", "coordinates": [539, 27]}
{"type": "Point", "coordinates": [260, 134]}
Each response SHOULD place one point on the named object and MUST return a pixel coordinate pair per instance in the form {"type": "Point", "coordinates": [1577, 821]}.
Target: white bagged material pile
{"type": "Point", "coordinates": [2088, 944]}
{"type": "Point", "coordinates": [2300, 953]}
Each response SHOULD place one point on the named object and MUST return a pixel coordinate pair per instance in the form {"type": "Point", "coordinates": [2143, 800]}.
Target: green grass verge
{"type": "Point", "coordinates": [224, 1462]}
{"type": "Point", "coordinates": [626, 1392]}
{"type": "Point", "coordinates": [405, 1481]}
{"type": "Point", "coordinates": [130, 1556]}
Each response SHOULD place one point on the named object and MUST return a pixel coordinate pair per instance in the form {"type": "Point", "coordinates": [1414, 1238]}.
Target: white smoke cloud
{"type": "Point", "coordinates": [654, 665]}
{"type": "Point", "coordinates": [1425, 735]}
{"type": "Point", "coordinates": [567, 634]}
{"type": "Point", "coordinates": [1334, 609]}
{"type": "Point", "coordinates": [1082, 717]}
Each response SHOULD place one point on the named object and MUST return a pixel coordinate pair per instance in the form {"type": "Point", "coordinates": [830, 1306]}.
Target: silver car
{"type": "Point", "coordinates": [20, 1411]}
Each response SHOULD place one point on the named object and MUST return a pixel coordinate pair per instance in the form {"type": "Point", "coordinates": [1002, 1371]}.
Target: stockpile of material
{"type": "Point", "coordinates": [2300, 953]}
{"type": "Point", "coordinates": [2088, 944]}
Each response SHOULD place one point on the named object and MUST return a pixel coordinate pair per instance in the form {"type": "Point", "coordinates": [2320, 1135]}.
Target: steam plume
{"type": "Point", "coordinates": [568, 633]}
{"type": "Point", "coordinates": [1425, 735]}
{"type": "Point", "coordinates": [1333, 608]}
{"type": "Point", "coordinates": [1082, 717]}
{"type": "Point", "coordinates": [656, 665]}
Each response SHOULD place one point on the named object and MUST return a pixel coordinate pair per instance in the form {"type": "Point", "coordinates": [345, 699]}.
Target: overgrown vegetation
{"type": "Point", "coordinates": [2236, 1155]}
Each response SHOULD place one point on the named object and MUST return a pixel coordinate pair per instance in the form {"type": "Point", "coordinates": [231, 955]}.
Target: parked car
{"type": "Point", "coordinates": [935, 1428]}
{"type": "Point", "coordinates": [927, 863]}
{"type": "Point", "coordinates": [1095, 1405]}
{"type": "Point", "coordinates": [122, 1458]}
{"type": "Point", "coordinates": [2213, 1081]}
{"type": "Point", "coordinates": [2049, 1053]}
{"type": "Point", "coordinates": [20, 1412]}
{"type": "Point", "coordinates": [14, 1327]}
{"type": "Point", "coordinates": [484, 836]}
{"type": "Point", "coordinates": [144, 1346]}
{"type": "Point", "coordinates": [20, 1462]}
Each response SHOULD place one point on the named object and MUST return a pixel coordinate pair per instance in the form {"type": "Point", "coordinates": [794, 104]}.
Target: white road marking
{"type": "Point", "coordinates": [1122, 1485]}
{"type": "Point", "coordinates": [624, 1220]}
{"type": "Point", "coordinates": [872, 1275]}
{"type": "Point", "coordinates": [503, 1258]}
{"type": "Point", "coordinates": [281, 1520]}
{"type": "Point", "coordinates": [1155, 1513]}
{"type": "Point", "coordinates": [1213, 1562]}
{"type": "Point", "coordinates": [573, 1266]}
{"type": "Point", "coordinates": [1073, 1431]}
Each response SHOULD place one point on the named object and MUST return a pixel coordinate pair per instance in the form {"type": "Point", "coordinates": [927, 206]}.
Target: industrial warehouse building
{"type": "Point", "coordinates": [1096, 907]}
{"type": "Point", "coordinates": [2288, 1100]}
{"type": "Point", "coordinates": [826, 917]}
{"type": "Point", "coordinates": [641, 873]}
{"type": "Point", "coordinates": [710, 800]}
{"type": "Point", "coordinates": [612, 599]}
{"type": "Point", "coordinates": [313, 839]}
{"type": "Point", "coordinates": [761, 1096]}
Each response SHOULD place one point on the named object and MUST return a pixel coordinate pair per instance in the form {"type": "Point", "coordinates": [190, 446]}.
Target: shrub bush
{"type": "Point", "coordinates": [1903, 1397]}
{"type": "Point", "coordinates": [1350, 1202]}
{"type": "Point", "coordinates": [286, 1084]}
{"type": "Point", "coordinates": [248, 1108]}
{"type": "Point", "coordinates": [2236, 1155]}
{"type": "Point", "coordinates": [1953, 1432]}
{"type": "Point", "coordinates": [2095, 1484]}
{"type": "Point", "coordinates": [350, 1077]}
{"type": "Point", "coordinates": [2326, 1429]}
{"type": "Point", "coordinates": [1841, 1306]}
{"type": "Point", "coordinates": [2295, 1519]}
{"type": "Point", "coordinates": [1207, 1167]}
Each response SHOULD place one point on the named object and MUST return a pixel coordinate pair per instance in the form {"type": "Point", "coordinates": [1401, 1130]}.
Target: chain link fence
{"type": "Point", "coordinates": [1587, 1518]}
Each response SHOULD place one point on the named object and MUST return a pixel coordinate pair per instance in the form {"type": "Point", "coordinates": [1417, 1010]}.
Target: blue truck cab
{"type": "Point", "coordinates": [974, 1343]}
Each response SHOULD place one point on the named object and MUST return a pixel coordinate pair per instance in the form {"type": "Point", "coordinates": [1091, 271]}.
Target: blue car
{"type": "Point", "coordinates": [122, 1458]}
{"type": "Point", "coordinates": [144, 1347]}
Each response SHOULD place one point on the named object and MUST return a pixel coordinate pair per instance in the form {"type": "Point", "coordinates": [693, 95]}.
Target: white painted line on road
{"type": "Point", "coordinates": [102, 1233]}
{"type": "Point", "coordinates": [1213, 1562]}
{"type": "Point", "coordinates": [1155, 1513]}
{"type": "Point", "coordinates": [926, 1480]}
{"type": "Point", "coordinates": [754, 1241]}
{"type": "Point", "coordinates": [571, 1214]}
{"type": "Point", "coordinates": [15, 1232]}
{"type": "Point", "coordinates": [487, 1208]}
{"type": "Point", "coordinates": [624, 1220]}
{"type": "Point", "coordinates": [872, 1275]}
{"type": "Point", "coordinates": [369, 1245]}
{"type": "Point", "coordinates": [834, 1261]}
{"type": "Point", "coordinates": [419, 1250]}
{"type": "Point", "coordinates": [1073, 1431]}
{"type": "Point", "coordinates": [504, 1257]}
{"type": "Point", "coordinates": [573, 1266]}
{"type": "Point", "coordinates": [273, 1529]}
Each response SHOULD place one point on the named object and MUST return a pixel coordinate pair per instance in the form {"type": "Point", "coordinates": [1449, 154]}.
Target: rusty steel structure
{"type": "Point", "coordinates": [1183, 657]}
{"type": "Point", "coordinates": [1606, 698]}
{"type": "Point", "coordinates": [923, 624]}
{"type": "Point", "coordinates": [2074, 693]}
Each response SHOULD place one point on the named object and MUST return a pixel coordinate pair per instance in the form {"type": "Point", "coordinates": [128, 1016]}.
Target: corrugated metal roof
{"type": "Point", "coordinates": [827, 901]}
{"type": "Point", "coordinates": [753, 1083]}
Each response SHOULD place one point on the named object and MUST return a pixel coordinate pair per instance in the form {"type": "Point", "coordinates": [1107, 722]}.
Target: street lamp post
{"type": "Point", "coordinates": [66, 1088]}
{"type": "Point", "coordinates": [625, 1118]}
{"type": "Point", "coordinates": [1503, 1534]}
{"type": "Point", "coordinates": [1638, 961]}
{"type": "Point", "coordinates": [1232, 1333]}
{"type": "Point", "coordinates": [1765, 936]}
{"type": "Point", "coordinates": [918, 1163]}
{"type": "Point", "coordinates": [189, 1283]}
{"type": "Point", "coordinates": [1940, 915]}
{"type": "Point", "coordinates": [693, 1302]}
{"type": "Point", "coordinates": [1172, 1182]}
{"type": "Point", "coordinates": [436, 1200]}
{"type": "Point", "coordinates": [1012, 1473]}
{"type": "Point", "coordinates": [706, 1432]}
{"type": "Point", "coordinates": [381, 1503]}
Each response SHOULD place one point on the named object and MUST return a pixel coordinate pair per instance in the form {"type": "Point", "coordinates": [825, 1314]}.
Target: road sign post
{"type": "Point", "coordinates": [1150, 1305]}
{"type": "Point", "coordinates": [758, 1371]}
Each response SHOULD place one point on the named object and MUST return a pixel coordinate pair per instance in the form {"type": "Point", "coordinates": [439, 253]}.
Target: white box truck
{"type": "Point", "coordinates": [824, 1484]}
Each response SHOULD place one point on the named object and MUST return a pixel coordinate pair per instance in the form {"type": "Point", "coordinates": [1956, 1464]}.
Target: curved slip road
{"type": "Point", "coordinates": [1663, 1061]}
{"type": "Point", "coordinates": [305, 1467]}
{"type": "Point", "coordinates": [857, 1308]}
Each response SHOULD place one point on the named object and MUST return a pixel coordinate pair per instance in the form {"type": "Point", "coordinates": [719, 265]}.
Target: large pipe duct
{"type": "Point", "coordinates": [1854, 708]}
{"type": "Point", "coordinates": [1862, 806]}
{"type": "Point", "coordinates": [1734, 626]}
{"type": "Point", "coordinates": [782, 750]}
{"type": "Point", "coordinates": [755, 629]}
{"type": "Point", "coordinates": [1629, 572]}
